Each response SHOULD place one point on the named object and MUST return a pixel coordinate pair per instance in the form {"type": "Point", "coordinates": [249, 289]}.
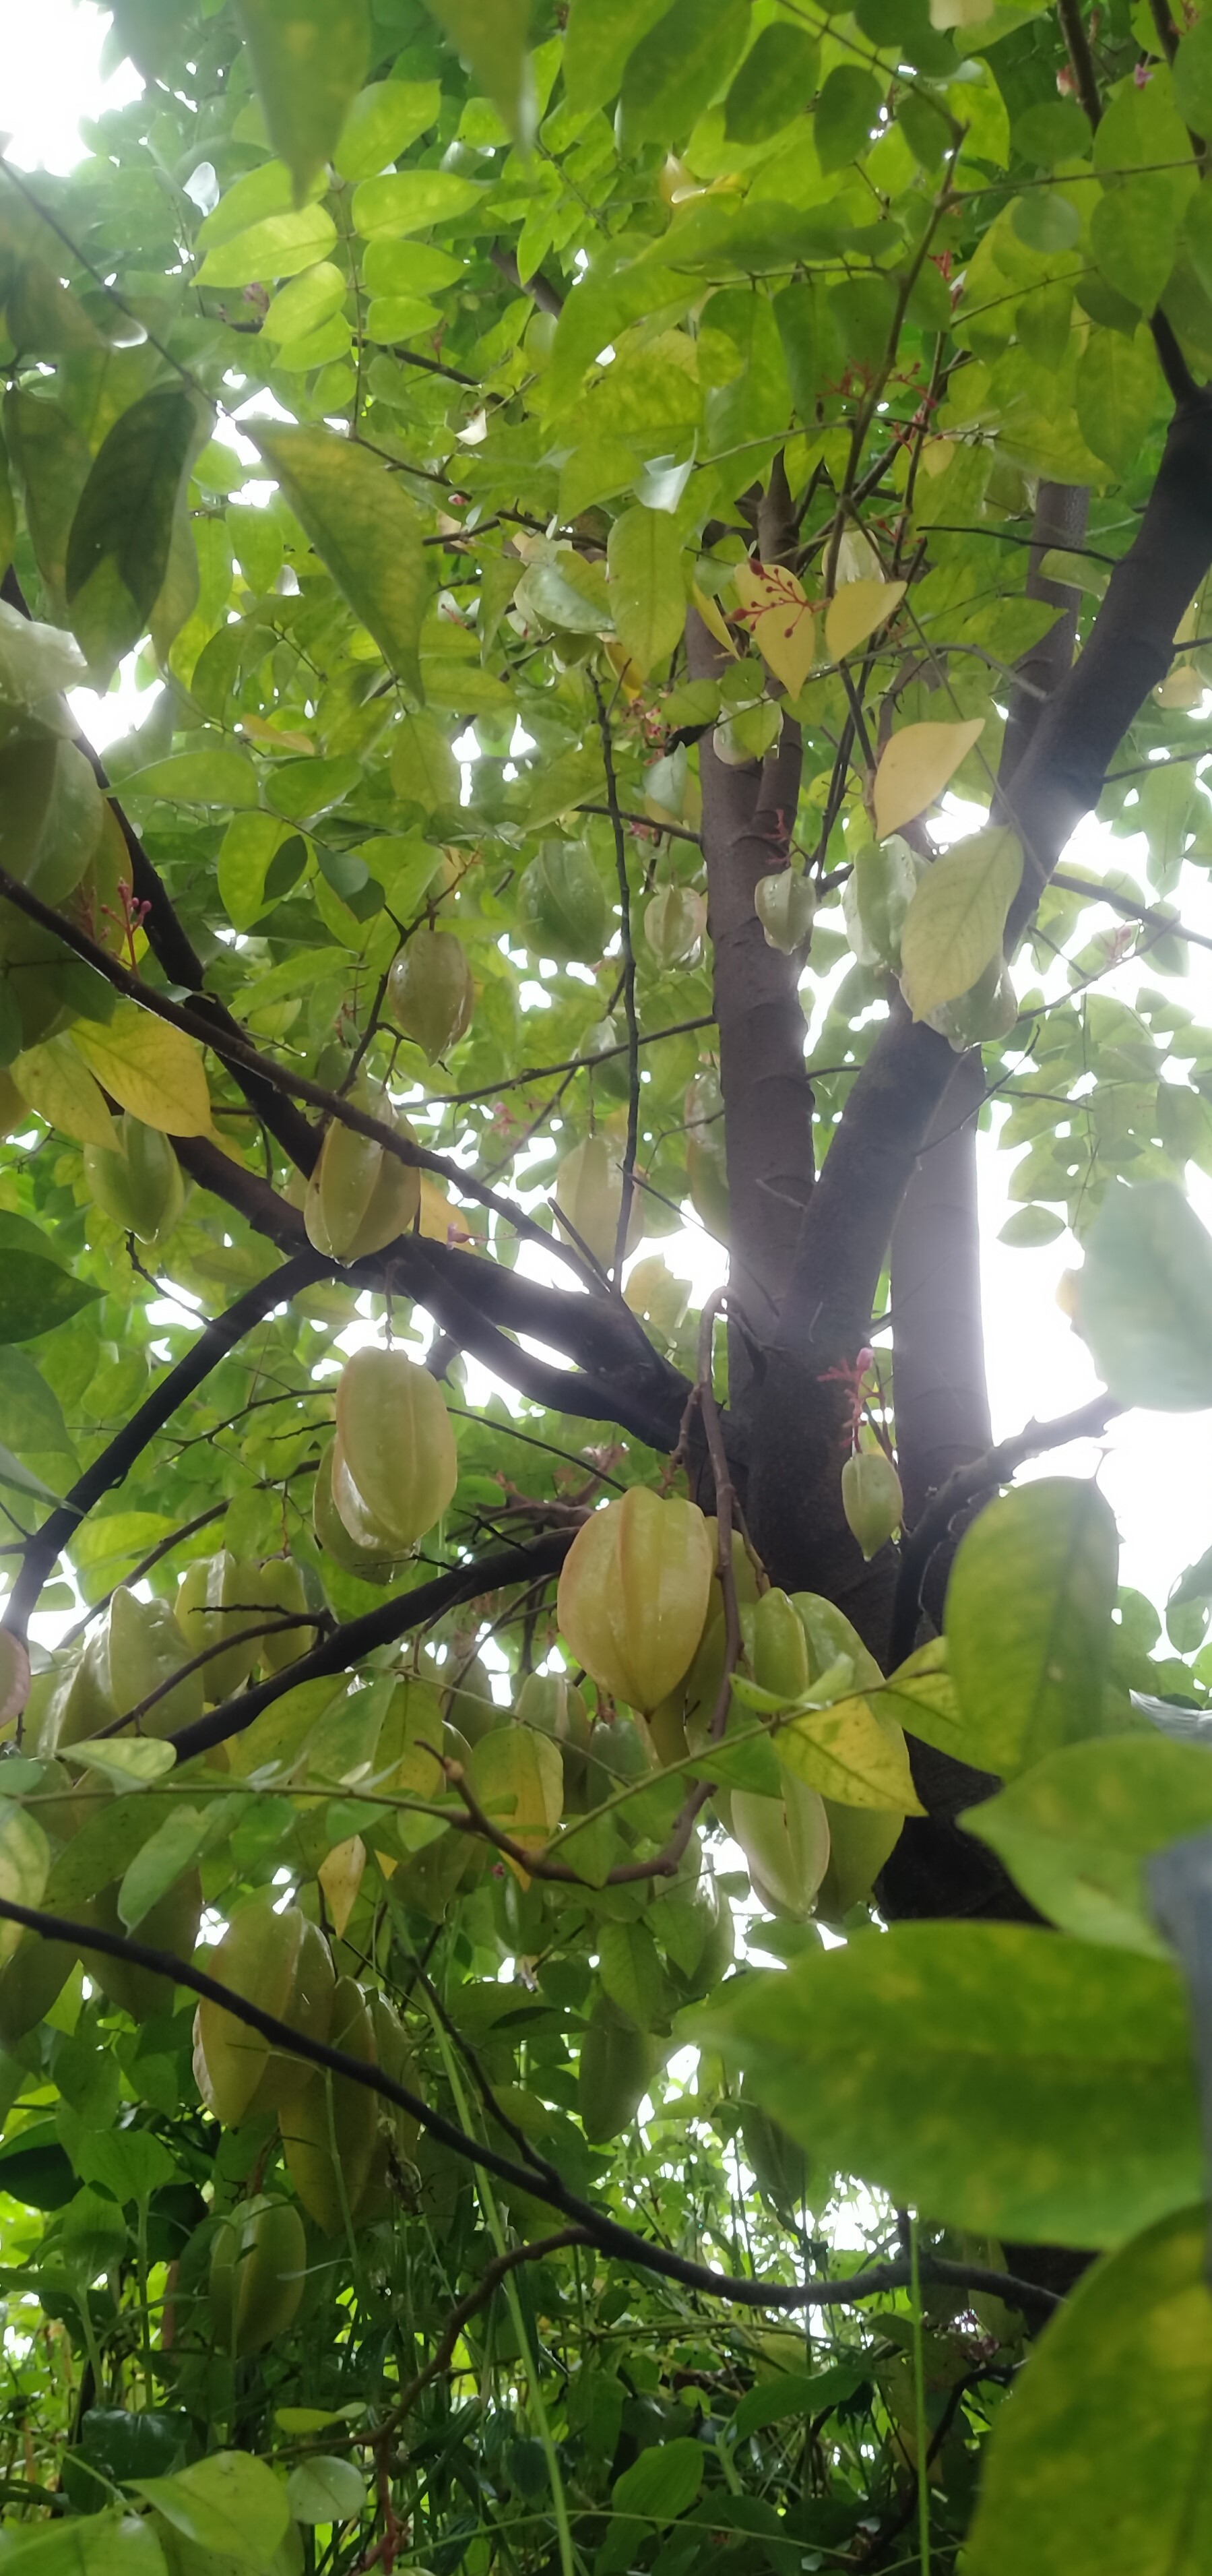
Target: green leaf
{"type": "Point", "coordinates": [774, 82]}
{"type": "Point", "coordinates": [1144, 1298]}
{"type": "Point", "coordinates": [297, 309]}
{"type": "Point", "coordinates": [1100, 2460]}
{"type": "Point", "coordinates": [326, 2490]}
{"type": "Point", "coordinates": [1192, 75]}
{"type": "Point", "coordinates": [846, 111]}
{"type": "Point", "coordinates": [381, 124]}
{"type": "Point", "coordinates": [491, 37]}
{"type": "Point", "coordinates": [1119, 392]}
{"type": "Point", "coordinates": [1076, 1830]}
{"type": "Point", "coordinates": [36, 1295]}
{"type": "Point", "coordinates": [129, 1761]}
{"type": "Point", "coordinates": [646, 588]}
{"type": "Point", "coordinates": [601, 35]}
{"type": "Point", "coordinates": [411, 201]}
{"type": "Point", "coordinates": [229, 2502]}
{"type": "Point", "coordinates": [677, 67]}
{"type": "Point", "coordinates": [1007, 2079]}
{"type": "Point", "coordinates": [173, 1848]}
{"type": "Point", "coordinates": [309, 60]}
{"type": "Point", "coordinates": [24, 1867]}
{"type": "Point", "coordinates": [215, 777]}
{"type": "Point", "coordinates": [662, 2482]}
{"type": "Point", "coordinates": [1028, 1621]}
{"type": "Point", "coordinates": [365, 530]}
{"type": "Point", "coordinates": [279, 246]}
{"type": "Point", "coordinates": [631, 1974]}
{"type": "Point", "coordinates": [118, 549]}
{"type": "Point", "coordinates": [104, 2544]}
{"type": "Point", "coordinates": [953, 928]}
{"type": "Point", "coordinates": [131, 2164]}
{"type": "Point", "coordinates": [1132, 238]}
{"type": "Point", "coordinates": [773, 2400]}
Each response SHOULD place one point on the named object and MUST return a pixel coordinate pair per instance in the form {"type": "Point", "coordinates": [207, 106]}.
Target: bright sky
{"type": "Point", "coordinates": [1157, 1471]}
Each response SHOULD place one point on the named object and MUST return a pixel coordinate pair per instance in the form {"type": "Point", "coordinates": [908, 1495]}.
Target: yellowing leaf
{"type": "Point", "coordinates": [915, 768]}
{"type": "Point", "coordinates": [439, 1221]}
{"type": "Point", "coordinates": [54, 1081]}
{"type": "Point", "coordinates": [1183, 687]}
{"type": "Point", "coordinates": [778, 616]}
{"type": "Point", "coordinates": [714, 621]}
{"type": "Point", "coordinates": [151, 1069]}
{"type": "Point", "coordinates": [647, 595]}
{"type": "Point", "coordinates": [860, 606]}
{"type": "Point", "coordinates": [954, 925]}
{"type": "Point", "coordinates": [340, 1876]}
{"type": "Point", "coordinates": [846, 1754]}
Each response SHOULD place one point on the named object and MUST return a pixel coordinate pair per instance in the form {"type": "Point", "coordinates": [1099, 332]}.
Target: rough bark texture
{"type": "Point", "coordinates": [942, 1400]}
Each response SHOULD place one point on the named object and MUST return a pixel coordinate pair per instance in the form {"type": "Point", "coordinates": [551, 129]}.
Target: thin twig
{"type": "Point", "coordinates": [629, 1005]}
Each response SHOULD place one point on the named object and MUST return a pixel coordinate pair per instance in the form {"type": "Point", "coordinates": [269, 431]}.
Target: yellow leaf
{"type": "Point", "coordinates": [340, 1876]}
{"type": "Point", "coordinates": [153, 1070]}
{"type": "Point", "coordinates": [954, 924]}
{"type": "Point", "coordinates": [440, 1222]}
{"type": "Point", "coordinates": [778, 616]}
{"type": "Point", "coordinates": [915, 768]}
{"type": "Point", "coordinates": [712, 618]}
{"type": "Point", "coordinates": [1182, 688]}
{"type": "Point", "coordinates": [260, 730]}
{"type": "Point", "coordinates": [860, 606]}
{"type": "Point", "coordinates": [54, 1081]}
{"type": "Point", "coordinates": [847, 1755]}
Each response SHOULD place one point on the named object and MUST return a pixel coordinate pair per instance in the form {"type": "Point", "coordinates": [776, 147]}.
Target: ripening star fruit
{"type": "Point", "coordinates": [360, 1197]}
{"type": "Point", "coordinates": [376, 1565]}
{"type": "Point", "coordinates": [555, 1707]}
{"type": "Point", "coordinates": [785, 905]}
{"type": "Point", "coordinates": [219, 1600]}
{"type": "Point", "coordinates": [141, 1186]}
{"type": "Point", "coordinates": [280, 1962]}
{"type": "Point", "coordinates": [430, 992]}
{"type": "Point", "coordinates": [330, 2187]}
{"type": "Point", "coordinates": [871, 1499]}
{"type": "Point", "coordinates": [562, 911]}
{"type": "Point", "coordinates": [589, 1194]}
{"type": "Point", "coordinates": [777, 1646]}
{"type": "Point", "coordinates": [674, 924]}
{"type": "Point", "coordinates": [279, 1586]}
{"type": "Point", "coordinates": [785, 1841]}
{"type": "Point", "coordinates": [633, 1594]}
{"type": "Point", "coordinates": [258, 2266]}
{"type": "Point", "coordinates": [138, 1650]}
{"type": "Point", "coordinates": [171, 1924]}
{"type": "Point", "coordinates": [394, 1447]}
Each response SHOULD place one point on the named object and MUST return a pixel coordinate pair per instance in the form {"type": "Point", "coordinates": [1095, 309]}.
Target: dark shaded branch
{"type": "Point", "coordinates": [940, 1393]}
{"type": "Point", "coordinates": [214, 1342]}
{"type": "Point", "coordinates": [1151, 916]}
{"type": "Point", "coordinates": [493, 2274]}
{"type": "Point", "coordinates": [1167, 32]}
{"type": "Point", "coordinates": [541, 2181]}
{"type": "Point", "coordinates": [1061, 511]}
{"type": "Point", "coordinates": [382, 1626]}
{"type": "Point", "coordinates": [1077, 45]}
{"type": "Point", "coordinates": [973, 1483]}
{"type": "Point", "coordinates": [539, 288]}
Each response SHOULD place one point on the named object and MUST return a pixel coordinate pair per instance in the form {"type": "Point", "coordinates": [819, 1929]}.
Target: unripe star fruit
{"type": "Point", "coordinates": [562, 911]}
{"type": "Point", "coordinates": [555, 1707]}
{"type": "Point", "coordinates": [633, 1594]}
{"type": "Point", "coordinates": [588, 1195]}
{"type": "Point", "coordinates": [674, 924]}
{"type": "Point", "coordinates": [279, 1586]}
{"type": "Point", "coordinates": [785, 1841]}
{"type": "Point", "coordinates": [331, 2185]}
{"type": "Point", "coordinates": [218, 1600]}
{"type": "Point", "coordinates": [280, 1962]}
{"type": "Point", "coordinates": [371, 1564]}
{"type": "Point", "coordinates": [258, 2267]}
{"type": "Point", "coordinates": [785, 905]}
{"type": "Point", "coordinates": [871, 1499]}
{"type": "Point", "coordinates": [430, 992]}
{"type": "Point", "coordinates": [777, 1646]}
{"type": "Point", "coordinates": [360, 1196]}
{"type": "Point", "coordinates": [172, 1924]}
{"type": "Point", "coordinates": [395, 1446]}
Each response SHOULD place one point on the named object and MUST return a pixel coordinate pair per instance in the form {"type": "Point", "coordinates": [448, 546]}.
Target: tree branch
{"type": "Point", "coordinates": [541, 2182]}
{"type": "Point", "coordinates": [214, 1342]}
{"type": "Point", "coordinates": [970, 1484]}
{"type": "Point", "coordinates": [1077, 45]}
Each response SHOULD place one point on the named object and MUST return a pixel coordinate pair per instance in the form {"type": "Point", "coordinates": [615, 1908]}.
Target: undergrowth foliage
{"type": "Point", "coordinates": [603, 1953]}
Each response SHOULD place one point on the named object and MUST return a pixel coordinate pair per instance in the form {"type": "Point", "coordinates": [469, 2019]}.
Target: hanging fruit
{"type": "Point", "coordinates": [986, 1012]}
{"type": "Point", "coordinates": [589, 1195]}
{"type": "Point", "coordinates": [258, 2267]}
{"type": "Point", "coordinates": [279, 1585]}
{"type": "Point", "coordinates": [777, 1647]}
{"type": "Point", "coordinates": [279, 1961]}
{"type": "Point", "coordinates": [139, 1647]}
{"type": "Point", "coordinates": [633, 1594]}
{"type": "Point", "coordinates": [171, 1924]}
{"type": "Point", "coordinates": [329, 2136]}
{"type": "Point", "coordinates": [371, 1564]}
{"type": "Point", "coordinates": [861, 1839]}
{"type": "Point", "coordinates": [554, 1706]}
{"type": "Point", "coordinates": [141, 1186]}
{"type": "Point", "coordinates": [785, 905]}
{"type": "Point", "coordinates": [359, 1196]}
{"type": "Point", "coordinates": [396, 1446]}
{"type": "Point", "coordinates": [785, 1841]}
{"type": "Point", "coordinates": [430, 992]}
{"type": "Point", "coordinates": [218, 1600]}
{"type": "Point", "coordinates": [674, 926]}
{"type": "Point", "coordinates": [562, 911]}
{"type": "Point", "coordinates": [467, 1700]}
{"type": "Point", "coordinates": [876, 897]}
{"type": "Point", "coordinates": [871, 1499]}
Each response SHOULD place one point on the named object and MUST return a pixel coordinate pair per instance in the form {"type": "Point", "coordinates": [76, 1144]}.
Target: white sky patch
{"type": "Point", "coordinates": [52, 77]}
